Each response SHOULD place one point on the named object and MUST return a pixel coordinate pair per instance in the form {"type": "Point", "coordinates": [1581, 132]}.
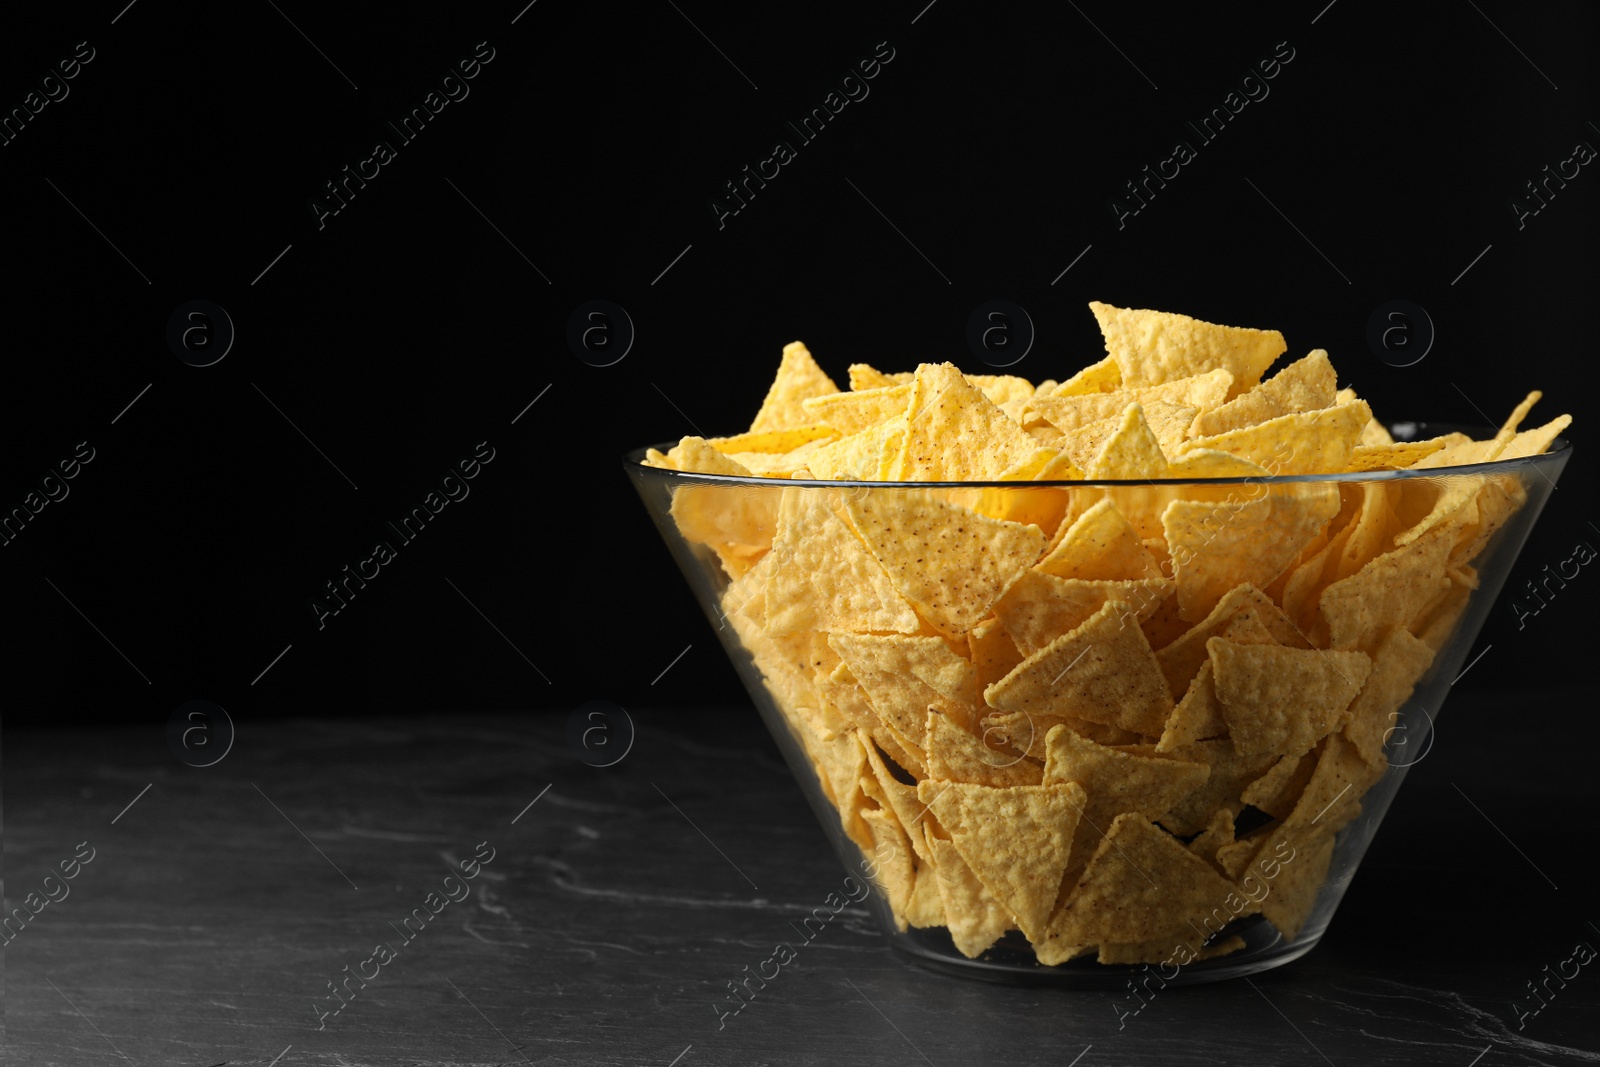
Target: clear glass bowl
{"type": "Point", "coordinates": [715, 531]}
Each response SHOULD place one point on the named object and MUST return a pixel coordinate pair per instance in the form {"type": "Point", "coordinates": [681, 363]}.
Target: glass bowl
{"type": "Point", "coordinates": [1317, 621]}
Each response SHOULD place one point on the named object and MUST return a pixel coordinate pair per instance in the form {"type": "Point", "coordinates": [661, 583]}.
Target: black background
{"type": "Point", "coordinates": [415, 323]}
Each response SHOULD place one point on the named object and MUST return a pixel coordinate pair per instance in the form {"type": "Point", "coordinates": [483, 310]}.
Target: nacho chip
{"type": "Point", "coordinates": [902, 676]}
{"type": "Point", "coordinates": [1015, 840]}
{"type": "Point", "coordinates": [954, 755]}
{"type": "Point", "coordinates": [1294, 891]}
{"type": "Point", "coordinates": [864, 376]}
{"type": "Point", "coordinates": [1393, 455]}
{"type": "Point", "coordinates": [955, 433]}
{"type": "Point", "coordinates": [1400, 659]}
{"type": "Point", "coordinates": [1131, 452]}
{"type": "Point", "coordinates": [1283, 699]}
{"type": "Point", "coordinates": [1252, 537]}
{"type": "Point", "coordinates": [1151, 347]}
{"type": "Point", "coordinates": [773, 442]}
{"type": "Point", "coordinates": [1201, 392]}
{"type": "Point", "coordinates": [1103, 671]}
{"type": "Point", "coordinates": [1100, 545]}
{"type": "Point", "coordinates": [1391, 589]}
{"type": "Point", "coordinates": [1230, 775]}
{"type": "Point", "coordinates": [1142, 884]}
{"type": "Point", "coordinates": [975, 918]}
{"type": "Point", "coordinates": [859, 457]}
{"type": "Point", "coordinates": [823, 578]}
{"type": "Point", "coordinates": [1040, 607]}
{"type": "Point", "coordinates": [1198, 715]}
{"type": "Point", "coordinates": [1114, 782]}
{"type": "Point", "coordinates": [1101, 377]}
{"type": "Point", "coordinates": [1304, 385]}
{"type": "Point", "coordinates": [952, 563]}
{"type": "Point", "coordinates": [1277, 791]}
{"type": "Point", "coordinates": [798, 379]}
{"type": "Point", "coordinates": [992, 651]}
{"type": "Point", "coordinates": [1245, 615]}
{"type": "Point", "coordinates": [852, 412]}
{"type": "Point", "coordinates": [1304, 442]}
{"type": "Point", "coordinates": [891, 849]}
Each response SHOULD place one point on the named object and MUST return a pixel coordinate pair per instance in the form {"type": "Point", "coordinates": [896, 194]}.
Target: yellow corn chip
{"type": "Point", "coordinates": [952, 563]}
{"type": "Point", "coordinates": [1398, 662]}
{"type": "Point", "coordinates": [864, 377]}
{"type": "Point", "coordinates": [852, 412]}
{"type": "Point", "coordinates": [1304, 442]}
{"type": "Point", "coordinates": [1103, 671]}
{"type": "Point", "coordinates": [955, 433]}
{"type": "Point", "coordinates": [1015, 840]}
{"type": "Point", "coordinates": [1244, 614]}
{"type": "Point", "coordinates": [992, 651]}
{"type": "Point", "coordinates": [955, 755]}
{"type": "Point", "coordinates": [1131, 452]}
{"type": "Point", "coordinates": [1252, 538]}
{"type": "Point", "coordinates": [975, 918]}
{"type": "Point", "coordinates": [1113, 782]}
{"type": "Point", "coordinates": [891, 849]}
{"type": "Point", "coordinates": [798, 379]}
{"type": "Point", "coordinates": [773, 441]}
{"type": "Point", "coordinates": [1142, 884]}
{"type": "Point", "coordinates": [1394, 455]}
{"type": "Point", "coordinates": [1304, 385]}
{"type": "Point", "coordinates": [1151, 347]}
{"type": "Point", "coordinates": [1231, 774]}
{"type": "Point", "coordinates": [1100, 545]}
{"type": "Point", "coordinates": [858, 457]}
{"type": "Point", "coordinates": [823, 578]}
{"type": "Point", "coordinates": [1040, 607]}
{"type": "Point", "coordinates": [1100, 377]}
{"type": "Point", "coordinates": [1277, 791]}
{"type": "Point", "coordinates": [1197, 717]}
{"type": "Point", "coordinates": [903, 676]}
{"type": "Point", "coordinates": [1391, 589]}
{"type": "Point", "coordinates": [1294, 891]}
{"type": "Point", "coordinates": [1201, 392]}
{"type": "Point", "coordinates": [1283, 699]}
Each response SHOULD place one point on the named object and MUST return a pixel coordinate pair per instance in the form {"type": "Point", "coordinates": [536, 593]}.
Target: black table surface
{"type": "Point", "coordinates": [620, 901]}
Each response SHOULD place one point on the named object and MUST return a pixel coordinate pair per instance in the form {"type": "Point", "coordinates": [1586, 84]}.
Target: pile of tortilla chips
{"type": "Point", "coordinates": [1117, 718]}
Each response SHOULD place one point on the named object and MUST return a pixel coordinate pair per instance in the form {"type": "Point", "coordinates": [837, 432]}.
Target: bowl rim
{"type": "Point", "coordinates": [1560, 449]}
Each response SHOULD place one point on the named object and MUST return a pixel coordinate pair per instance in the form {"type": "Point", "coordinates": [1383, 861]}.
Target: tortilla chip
{"type": "Point", "coordinates": [773, 442]}
{"type": "Point", "coordinates": [1039, 607]}
{"type": "Point", "coordinates": [955, 433]}
{"type": "Point", "coordinates": [864, 376]}
{"type": "Point", "coordinates": [891, 850]}
{"type": "Point", "coordinates": [954, 755]}
{"type": "Point", "coordinates": [855, 411]}
{"type": "Point", "coordinates": [1198, 715]}
{"type": "Point", "coordinates": [1151, 347]}
{"type": "Point", "coordinates": [1252, 538]}
{"type": "Point", "coordinates": [1015, 840]}
{"type": "Point", "coordinates": [1393, 455]}
{"type": "Point", "coordinates": [1100, 545]}
{"type": "Point", "coordinates": [1103, 671]}
{"type": "Point", "coordinates": [1294, 891]}
{"type": "Point", "coordinates": [952, 563]}
{"type": "Point", "coordinates": [1277, 791]}
{"type": "Point", "coordinates": [1100, 377]}
{"type": "Point", "coordinates": [1283, 699]}
{"type": "Point", "coordinates": [1400, 659]}
{"type": "Point", "coordinates": [1115, 781]}
{"type": "Point", "coordinates": [1243, 614]}
{"type": "Point", "coordinates": [975, 918]}
{"type": "Point", "coordinates": [798, 379]}
{"type": "Point", "coordinates": [1141, 885]}
{"type": "Point", "coordinates": [1231, 774]}
{"type": "Point", "coordinates": [1304, 442]}
{"type": "Point", "coordinates": [902, 676]}
{"type": "Point", "coordinates": [1389, 590]}
{"type": "Point", "coordinates": [823, 578]}
{"type": "Point", "coordinates": [1304, 385]}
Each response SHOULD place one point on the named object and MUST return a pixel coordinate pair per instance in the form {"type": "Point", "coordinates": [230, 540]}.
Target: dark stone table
{"type": "Point", "coordinates": [219, 907]}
